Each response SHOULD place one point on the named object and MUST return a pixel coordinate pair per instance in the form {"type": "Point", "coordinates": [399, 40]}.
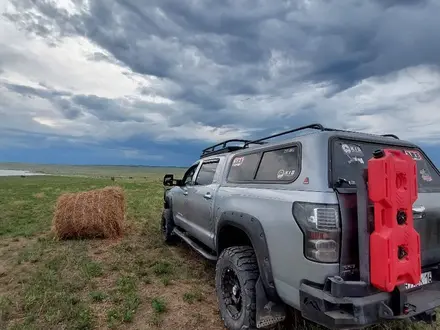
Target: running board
{"type": "Point", "coordinates": [194, 245]}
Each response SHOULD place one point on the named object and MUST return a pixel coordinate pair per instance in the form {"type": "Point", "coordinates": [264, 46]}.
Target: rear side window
{"type": "Point", "coordinates": [279, 165]}
{"type": "Point", "coordinates": [243, 167]}
{"type": "Point", "coordinates": [206, 173]}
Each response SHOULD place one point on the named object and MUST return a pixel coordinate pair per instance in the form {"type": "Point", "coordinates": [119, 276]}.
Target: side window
{"type": "Point", "coordinates": [206, 173]}
{"type": "Point", "coordinates": [187, 178]}
{"type": "Point", "coordinates": [279, 165]}
{"type": "Point", "coordinates": [243, 167]}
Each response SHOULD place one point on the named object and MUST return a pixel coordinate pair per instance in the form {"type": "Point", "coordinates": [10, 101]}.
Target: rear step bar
{"type": "Point", "coordinates": [194, 245]}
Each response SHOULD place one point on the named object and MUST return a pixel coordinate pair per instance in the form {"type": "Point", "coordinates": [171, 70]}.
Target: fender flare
{"type": "Point", "coordinates": [168, 204]}
{"type": "Point", "coordinates": [254, 230]}
{"type": "Point", "coordinates": [166, 199]}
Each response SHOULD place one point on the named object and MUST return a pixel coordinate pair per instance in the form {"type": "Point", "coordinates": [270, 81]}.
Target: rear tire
{"type": "Point", "coordinates": [167, 226]}
{"type": "Point", "coordinates": [235, 278]}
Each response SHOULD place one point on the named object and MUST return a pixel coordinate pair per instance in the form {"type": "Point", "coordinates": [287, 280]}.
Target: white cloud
{"type": "Point", "coordinates": [67, 66]}
{"type": "Point", "coordinates": [405, 103]}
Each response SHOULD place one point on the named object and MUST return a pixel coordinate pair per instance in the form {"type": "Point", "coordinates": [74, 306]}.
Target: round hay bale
{"type": "Point", "coordinates": [98, 213]}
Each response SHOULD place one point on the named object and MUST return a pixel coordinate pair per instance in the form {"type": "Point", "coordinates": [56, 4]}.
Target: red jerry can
{"type": "Point", "coordinates": [394, 244]}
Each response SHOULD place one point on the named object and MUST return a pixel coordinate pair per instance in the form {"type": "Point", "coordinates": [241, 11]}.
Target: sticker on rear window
{"type": "Point", "coordinates": [414, 154]}
{"type": "Point", "coordinates": [285, 173]}
{"type": "Point", "coordinates": [426, 176]}
{"type": "Point", "coordinates": [238, 161]}
{"type": "Point", "coordinates": [354, 153]}
{"type": "Point", "coordinates": [352, 150]}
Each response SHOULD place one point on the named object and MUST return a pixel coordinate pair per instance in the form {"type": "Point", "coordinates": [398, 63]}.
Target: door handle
{"type": "Point", "coordinates": [208, 195]}
{"type": "Point", "coordinates": [185, 192]}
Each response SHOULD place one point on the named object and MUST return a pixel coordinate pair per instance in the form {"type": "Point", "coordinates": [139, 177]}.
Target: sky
{"type": "Point", "coordinates": [153, 82]}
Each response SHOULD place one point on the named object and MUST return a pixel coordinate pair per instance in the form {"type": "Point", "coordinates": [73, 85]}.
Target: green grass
{"type": "Point", "coordinates": [85, 284]}
{"type": "Point", "coordinates": [136, 282]}
{"type": "Point", "coordinates": [193, 296]}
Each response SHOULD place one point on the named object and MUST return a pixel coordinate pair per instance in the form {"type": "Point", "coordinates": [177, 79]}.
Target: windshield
{"type": "Point", "coordinates": [349, 156]}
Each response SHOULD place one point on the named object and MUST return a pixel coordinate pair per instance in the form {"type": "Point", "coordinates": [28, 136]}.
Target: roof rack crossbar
{"type": "Point", "coordinates": [224, 147]}
{"type": "Point", "coordinates": [391, 135]}
{"type": "Point", "coordinates": [223, 144]}
{"type": "Point", "coordinates": [341, 130]}
{"type": "Point", "coordinates": [312, 126]}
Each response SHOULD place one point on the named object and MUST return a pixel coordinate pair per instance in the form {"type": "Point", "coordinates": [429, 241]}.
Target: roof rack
{"type": "Point", "coordinates": [312, 126]}
{"type": "Point", "coordinates": [224, 147]}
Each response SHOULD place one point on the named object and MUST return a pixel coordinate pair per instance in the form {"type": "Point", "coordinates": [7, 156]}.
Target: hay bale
{"type": "Point", "coordinates": [90, 214]}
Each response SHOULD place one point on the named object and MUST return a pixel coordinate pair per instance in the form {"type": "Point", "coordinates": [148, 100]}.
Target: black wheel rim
{"type": "Point", "coordinates": [232, 294]}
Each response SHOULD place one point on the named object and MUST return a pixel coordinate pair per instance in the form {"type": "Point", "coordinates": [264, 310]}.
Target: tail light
{"type": "Point", "coordinates": [322, 232]}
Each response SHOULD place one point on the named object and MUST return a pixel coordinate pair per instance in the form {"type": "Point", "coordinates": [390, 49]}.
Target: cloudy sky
{"type": "Point", "coordinates": [154, 81]}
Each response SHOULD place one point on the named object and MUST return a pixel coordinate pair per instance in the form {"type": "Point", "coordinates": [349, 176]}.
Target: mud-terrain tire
{"type": "Point", "coordinates": [167, 226]}
{"type": "Point", "coordinates": [235, 277]}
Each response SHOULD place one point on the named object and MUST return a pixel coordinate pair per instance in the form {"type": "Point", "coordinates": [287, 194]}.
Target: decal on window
{"type": "Point", "coordinates": [352, 150]}
{"type": "Point", "coordinates": [354, 153]}
{"type": "Point", "coordinates": [414, 154]}
{"type": "Point", "coordinates": [285, 173]}
{"type": "Point", "coordinates": [356, 160]}
{"type": "Point", "coordinates": [238, 161]}
{"type": "Point", "coordinates": [426, 176]}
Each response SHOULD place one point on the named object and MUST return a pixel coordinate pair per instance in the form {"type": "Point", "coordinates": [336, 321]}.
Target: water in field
{"type": "Point", "coordinates": [17, 173]}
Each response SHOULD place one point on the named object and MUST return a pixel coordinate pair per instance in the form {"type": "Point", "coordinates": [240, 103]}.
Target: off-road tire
{"type": "Point", "coordinates": [242, 262]}
{"type": "Point", "coordinates": [167, 226]}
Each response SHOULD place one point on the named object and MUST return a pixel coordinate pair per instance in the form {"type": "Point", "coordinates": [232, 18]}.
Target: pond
{"type": "Point", "coordinates": [17, 173]}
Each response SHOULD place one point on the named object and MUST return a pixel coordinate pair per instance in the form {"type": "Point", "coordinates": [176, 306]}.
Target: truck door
{"type": "Point", "coordinates": [180, 197]}
{"type": "Point", "coordinates": [201, 201]}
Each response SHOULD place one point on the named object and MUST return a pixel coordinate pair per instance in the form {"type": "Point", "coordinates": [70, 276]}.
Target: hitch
{"type": "Point", "coordinates": [429, 317]}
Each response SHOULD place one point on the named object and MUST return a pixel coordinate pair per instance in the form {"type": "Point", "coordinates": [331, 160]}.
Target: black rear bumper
{"type": "Point", "coordinates": [348, 305]}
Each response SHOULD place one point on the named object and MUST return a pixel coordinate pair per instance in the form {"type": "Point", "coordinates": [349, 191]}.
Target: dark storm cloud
{"type": "Point", "coordinates": [207, 52]}
{"type": "Point", "coordinates": [361, 40]}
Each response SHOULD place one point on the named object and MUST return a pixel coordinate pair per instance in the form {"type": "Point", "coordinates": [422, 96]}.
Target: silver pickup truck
{"type": "Point", "coordinates": [287, 223]}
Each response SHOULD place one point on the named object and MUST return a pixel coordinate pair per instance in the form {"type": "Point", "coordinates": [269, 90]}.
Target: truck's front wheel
{"type": "Point", "coordinates": [235, 279]}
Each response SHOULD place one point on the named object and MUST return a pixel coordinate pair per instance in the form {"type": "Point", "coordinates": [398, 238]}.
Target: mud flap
{"type": "Point", "coordinates": [269, 313]}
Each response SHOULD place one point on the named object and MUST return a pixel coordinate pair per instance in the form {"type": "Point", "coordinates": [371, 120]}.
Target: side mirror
{"type": "Point", "coordinates": [168, 180]}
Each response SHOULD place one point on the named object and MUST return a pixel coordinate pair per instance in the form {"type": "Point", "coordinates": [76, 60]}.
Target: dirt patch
{"type": "Point", "coordinates": [40, 195]}
{"type": "Point", "coordinates": [10, 248]}
{"type": "Point", "coordinates": [179, 313]}
{"type": "Point", "coordinates": [12, 272]}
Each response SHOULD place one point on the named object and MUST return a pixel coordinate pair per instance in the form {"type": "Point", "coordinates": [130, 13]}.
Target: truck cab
{"type": "Point", "coordinates": [289, 225]}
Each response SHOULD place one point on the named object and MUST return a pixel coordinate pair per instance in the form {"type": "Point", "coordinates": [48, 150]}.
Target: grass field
{"type": "Point", "coordinates": [135, 282]}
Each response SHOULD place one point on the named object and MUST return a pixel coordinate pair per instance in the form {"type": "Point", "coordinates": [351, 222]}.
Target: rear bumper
{"type": "Point", "coordinates": [348, 305]}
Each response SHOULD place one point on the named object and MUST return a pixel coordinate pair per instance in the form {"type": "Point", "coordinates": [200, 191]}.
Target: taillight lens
{"type": "Point", "coordinates": [321, 227]}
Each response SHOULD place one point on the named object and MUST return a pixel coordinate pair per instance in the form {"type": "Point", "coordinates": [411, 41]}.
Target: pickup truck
{"type": "Point", "coordinates": [342, 227]}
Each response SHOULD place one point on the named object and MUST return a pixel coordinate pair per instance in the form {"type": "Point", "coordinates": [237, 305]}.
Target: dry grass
{"type": "Point", "coordinates": [40, 195]}
{"type": "Point", "coordinates": [91, 214]}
